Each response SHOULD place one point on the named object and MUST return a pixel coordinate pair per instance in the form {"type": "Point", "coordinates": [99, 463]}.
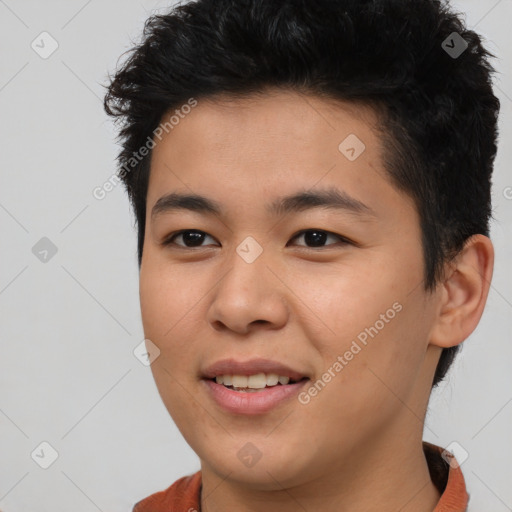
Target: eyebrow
{"type": "Point", "coordinates": [327, 198]}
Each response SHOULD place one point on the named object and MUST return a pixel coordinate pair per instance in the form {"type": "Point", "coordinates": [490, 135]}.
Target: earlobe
{"type": "Point", "coordinates": [464, 293]}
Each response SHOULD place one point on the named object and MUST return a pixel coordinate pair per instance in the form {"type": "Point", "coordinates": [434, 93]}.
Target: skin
{"type": "Point", "coordinates": [357, 445]}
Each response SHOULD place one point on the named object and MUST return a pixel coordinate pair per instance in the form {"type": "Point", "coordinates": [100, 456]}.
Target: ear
{"type": "Point", "coordinates": [463, 293]}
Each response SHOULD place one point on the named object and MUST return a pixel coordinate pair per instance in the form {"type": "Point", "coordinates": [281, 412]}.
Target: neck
{"type": "Point", "coordinates": [390, 475]}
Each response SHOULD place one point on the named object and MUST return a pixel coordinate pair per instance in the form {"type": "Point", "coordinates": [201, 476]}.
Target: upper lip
{"type": "Point", "coordinates": [250, 367]}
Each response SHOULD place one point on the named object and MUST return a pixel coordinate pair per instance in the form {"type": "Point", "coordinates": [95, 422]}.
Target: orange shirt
{"type": "Point", "coordinates": [184, 494]}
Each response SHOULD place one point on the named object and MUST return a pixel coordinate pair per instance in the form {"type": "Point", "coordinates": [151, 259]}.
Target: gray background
{"type": "Point", "coordinates": [68, 375]}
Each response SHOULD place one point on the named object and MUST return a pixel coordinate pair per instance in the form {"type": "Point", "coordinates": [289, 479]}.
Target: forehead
{"type": "Point", "coordinates": [305, 121]}
{"type": "Point", "coordinates": [253, 147]}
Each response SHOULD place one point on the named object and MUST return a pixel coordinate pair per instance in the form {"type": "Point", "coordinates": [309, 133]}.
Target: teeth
{"type": "Point", "coordinates": [258, 381]}
{"type": "Point", "coordinates": [240, 381]}
{"type": "Point", "coordinates": [272, 379]}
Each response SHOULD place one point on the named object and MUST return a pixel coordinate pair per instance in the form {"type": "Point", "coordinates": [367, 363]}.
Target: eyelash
{"type": "Point", "coordinates": [169, 240]}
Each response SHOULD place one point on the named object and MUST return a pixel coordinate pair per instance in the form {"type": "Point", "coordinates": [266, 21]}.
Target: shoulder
{"type": "Point", "coordinates": [182, 496]}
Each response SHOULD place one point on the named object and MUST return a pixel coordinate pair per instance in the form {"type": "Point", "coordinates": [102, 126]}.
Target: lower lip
{"type": "Point", "coordinates": [256, 402]}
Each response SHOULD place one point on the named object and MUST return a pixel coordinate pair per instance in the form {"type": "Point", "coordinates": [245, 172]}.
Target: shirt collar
{"type": "Point", "coordinates": [447, 476]}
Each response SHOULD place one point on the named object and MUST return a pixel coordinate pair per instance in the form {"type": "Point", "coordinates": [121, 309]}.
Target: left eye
{"type": "Point", "coordinates": [194, 238]}
{"type": "Point", "coordinates": [317, 237]}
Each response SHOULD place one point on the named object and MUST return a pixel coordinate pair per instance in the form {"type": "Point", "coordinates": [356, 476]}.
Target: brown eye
{"type": "Point", "coordinates": [314, 238]}
{"type": "Point", "coordinates": [191, 238]}
{"type": "Point", "coordinates": [318, 237]}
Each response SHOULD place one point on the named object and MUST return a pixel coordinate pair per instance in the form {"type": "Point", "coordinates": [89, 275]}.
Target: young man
{"type": "Point", "coordinates": [311, 182]}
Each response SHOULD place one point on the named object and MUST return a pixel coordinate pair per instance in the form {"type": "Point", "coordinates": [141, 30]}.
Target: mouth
{"type": "Point", "coordinates": [245, 400]}
{"type": "Point", "coordinates": [254, 383]}
{"type": "Point", "coordinates": [251, 387]}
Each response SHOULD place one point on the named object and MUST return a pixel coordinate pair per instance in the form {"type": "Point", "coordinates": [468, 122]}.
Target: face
{"type": "Point", "coordinates": [328, 285]}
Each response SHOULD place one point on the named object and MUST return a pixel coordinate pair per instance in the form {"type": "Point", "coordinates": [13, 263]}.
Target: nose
{"type": "Point", "coordinates": [249, 296]}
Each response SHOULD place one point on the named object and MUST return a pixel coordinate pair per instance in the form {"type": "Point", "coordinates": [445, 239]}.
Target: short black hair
{"type": "Point", "coordinates": [413, 61]}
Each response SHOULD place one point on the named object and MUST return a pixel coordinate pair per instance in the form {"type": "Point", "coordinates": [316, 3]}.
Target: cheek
{"type": "Point", "coordinates": [166, 295]}
{"type": "Point", "coordinates": [171, 299]}
{"type": "Point", "coordinates": [165, 300]}
{"type": "Point", "coordinates": [153, 303]}
{"type": "Point", "coordinates": [367, 315]}
{"type": "Point", "coordinates": [344, 300]}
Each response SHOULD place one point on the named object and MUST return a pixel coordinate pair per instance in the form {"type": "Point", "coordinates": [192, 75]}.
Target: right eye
{"type": "Point", "coordinates": [191, 238]}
